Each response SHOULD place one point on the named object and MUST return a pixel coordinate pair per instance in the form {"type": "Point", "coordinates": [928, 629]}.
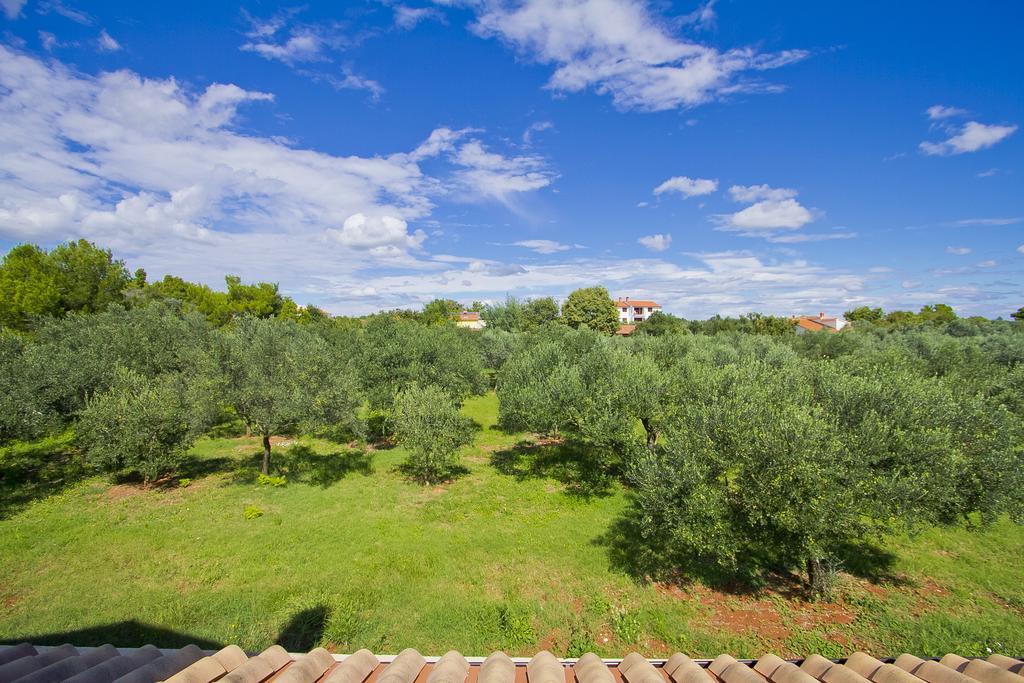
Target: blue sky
{"type": "Point", "coordinates": [721, 157]}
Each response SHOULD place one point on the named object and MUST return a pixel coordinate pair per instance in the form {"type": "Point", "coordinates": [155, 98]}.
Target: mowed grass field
{"type": "Point", "coordinates": [349, 554]}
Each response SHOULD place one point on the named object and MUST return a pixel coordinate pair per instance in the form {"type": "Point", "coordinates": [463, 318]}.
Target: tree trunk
{"type": "Point", "coordinates": [266, 454]}
{"type": "Point", "coordinates": [248, 430]}
{"type": "Point", "coordinates": [813, 576]}
{"type": "Point", "coordinates": [652, 432]}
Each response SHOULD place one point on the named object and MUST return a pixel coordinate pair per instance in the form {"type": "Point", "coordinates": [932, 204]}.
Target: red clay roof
{"type": "Point", "coordinates": [625, 330]}
{"type": "Point", "coordinates": [639, 303]}
{"type": "Point", "coordinates": [469, 316]}
{"type": "Point", "coordinates": [192, 665]}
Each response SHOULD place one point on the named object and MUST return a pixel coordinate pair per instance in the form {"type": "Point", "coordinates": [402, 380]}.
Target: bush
{"type": "Point", "coordinates": [429, 425]}
{"type": "Point", "coordinates": [141, 426]}
{"type": "Point", "coordinates": [252, 512]}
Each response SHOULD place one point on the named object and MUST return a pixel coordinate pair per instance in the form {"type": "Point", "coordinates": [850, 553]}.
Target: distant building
{"type": "Point", "coordinates": [818, 323]}
{"type": "Point", "coordinates": [470, 320]}
{"type": "Point", "coordinates": [625, 330]}
{"type": "Point", "coordinates": [633, 311]}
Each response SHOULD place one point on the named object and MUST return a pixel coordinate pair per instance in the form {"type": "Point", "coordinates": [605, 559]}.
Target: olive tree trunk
{"type": "Point", "coordinates": [266, 454]}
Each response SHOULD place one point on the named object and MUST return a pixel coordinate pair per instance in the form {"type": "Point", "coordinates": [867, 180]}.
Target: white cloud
{"type": "Point", "coordinates": [987, 264]}
{"type": "Point", "coordinates": [688, 187]}
{"type": "Point", "coordinates": [770, 214]}
{"type": "Point", "coordinates": [107, 42]}
{"type": "Point", "coordinates": [656, 242]}
{"type": "Point", "coordinates": [754, 193]}
{"type": "Point", "coordinates": [408, 17]}
{"type": "Point", "coordinates": [494, 176]}
{"type": "Point", "coordinates": [910, 284]}
{"type": "Point", "coordinates": [958, 251]}
{"type": "Point", "coordinates": [158, 172]}
{"type": "Point", "coordinates": [302, 46]}
{"type": "Point", "coordinates": [1021, 248]}
{"type": "Point", "coordinates": [542, 246]}
{"type": "Point", "coordinates": [1011, 220]}
{"type": "Point", "coordinates": [618, 48]}
{"type": "Point", "coordinates": [972, 136]}
{"type": "Point", "coordinates": [537, 127]}
{"type": "Point", "coordinates": [12, 8]}
{"type": "Point", "coordinates": [797, 237]}
{"type": "Point", "coordinates": [362, 232]}
{"type": "Point", "coordinates": [937, 112]}
{"type": "Point", "coordinates": [350, 80]}
{"type": "Point", "coordinates": [58, 7]}
{"type": "Point", "coordinates": [988, 174]}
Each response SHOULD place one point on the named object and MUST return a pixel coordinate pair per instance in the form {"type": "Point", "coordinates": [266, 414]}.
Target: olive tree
{"type": "Point", "coordinates": [769, 460]}
{"type": "Point", "coordinates": [143, 425]}
{"type": "Point", "coordinates": [281, 377]}
{"type": "Point", "coordinates": [429, 425]}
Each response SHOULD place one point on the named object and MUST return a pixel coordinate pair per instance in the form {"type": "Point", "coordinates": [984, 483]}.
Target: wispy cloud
{"type": "Point", "coordinates": [407, 17]}
{"type": "Point", "coordinates": [107, 42]}
{"type": "Point", "coordinates": [12, 8]}
{"type": "Point", "coordinates": [542, 246]}
{"type": "Point", "coordinates": [970, 137]}
{"type": "Point", "coordinates": [656, 242]}
{"type": "Point", "coordinates": [938, 112]}
{"type": "Point", "coordinates": [958, 251]}
{"type": "Point", "coordinates": [964, 222]}
{"type": "Point", "coordinates": [619, 48]}
{"type": "Point", "coordinates": [688, 187]}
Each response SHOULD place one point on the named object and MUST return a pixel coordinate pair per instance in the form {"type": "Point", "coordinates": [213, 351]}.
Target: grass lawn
{"type": "Point", "coordinates": [349, 554]}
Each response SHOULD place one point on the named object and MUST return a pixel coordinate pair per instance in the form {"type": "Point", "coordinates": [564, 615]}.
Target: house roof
{"type": "Point", "coordinates": [638, 303]}
{"type": "Point", "coordinates": [469, 316]}
{"type": "Point", "coordinates": [625, 330]}
{"type": "Point", "coordinates": [815, 323]}
{"type": "Point", "coordinates": [230, 664]}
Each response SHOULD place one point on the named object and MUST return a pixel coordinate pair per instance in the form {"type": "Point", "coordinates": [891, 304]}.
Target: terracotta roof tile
{"type": "Point", "coordinates": [149, 665]}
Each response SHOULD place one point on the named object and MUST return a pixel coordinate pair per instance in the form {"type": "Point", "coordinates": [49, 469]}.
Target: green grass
{"type": "Point", "coordinates": [349, 554]}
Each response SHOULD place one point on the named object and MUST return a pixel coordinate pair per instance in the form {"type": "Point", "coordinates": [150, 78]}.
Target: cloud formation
{"type": "Point", "coordinates": [656, 242]}
{"type": "Point", "coordinates": [152, 168]}
{"type": "Point", "coordinates": [970, 137]}
{"type": "Point", "coordinates": [688, 187]}
{"type": "Point", "coordinates": [619, 48]}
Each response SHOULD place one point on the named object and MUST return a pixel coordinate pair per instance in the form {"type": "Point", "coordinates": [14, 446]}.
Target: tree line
{"type": "Point", "coordinates": [744, 448]}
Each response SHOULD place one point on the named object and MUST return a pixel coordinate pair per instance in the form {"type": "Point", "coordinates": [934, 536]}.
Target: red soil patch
{"type": "Point", "coordinates": [122, 491]}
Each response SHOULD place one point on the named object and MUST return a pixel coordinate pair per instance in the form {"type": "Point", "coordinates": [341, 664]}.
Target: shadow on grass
{"type": "Point", "coordinates": [582, 473]}
{"type": "Point", "coordinates": [305, 630]}
{"type": "Point", "coordinates": [450, 474]}
{"type": "Point", "coordinates": [34, 470]}
{"type": "Point", "coordinates": [646, 558]}
{"type": "Point", "coordinates": [129, 633]}
{"type": "Point", "coordinates": [301, 464]}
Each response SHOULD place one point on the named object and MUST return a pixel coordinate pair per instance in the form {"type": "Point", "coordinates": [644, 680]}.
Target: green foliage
{"type": "Point", "coordinates": [252, 512]}
{"type": "Point", "coordinates": [771, 460]}
{"type": "Point", "coordinates": [395, 354]}
{"type": "Point", "coordinates": [268, 480]}
{"type": "Point", "coordinates": [539, 312]}
{"type": "Point", "coordinates": [440, 312]}
{"type": "Point", "coordinates": [74, 277]}
{"type": "Point", "coordinates": [584, 386]}
{"type": "Point", "coordinates": [593, 307]}
{"type": "Point", "coordinates": [260, 300]}
{"type": "Point", "coordinates": [864, 313]}
{"type": "Point", "coordinates": [429, 425]}
{"type": "Point", "coordinates": [279, 377]}
{"type": "Point", "coordinates": [184, 482]}
{"type": "Point", "coordinates": [28, 287]}
{"type": "Point", "coordinates": [1018, 314]}
{"type": "Point", "coordinates": [89, 278]}
{"type": "Point", "coordinates": [141, 425]}
{"type": "Point", "coordinates": [515, 625]}
{"type": "Point", "coordinates": [658, 324]}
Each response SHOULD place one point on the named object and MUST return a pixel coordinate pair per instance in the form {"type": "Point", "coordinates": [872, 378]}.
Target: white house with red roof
{"type": "Point", "coordinates": [818, 323]}
{"type": "Point", "coordinates": [633, 311]}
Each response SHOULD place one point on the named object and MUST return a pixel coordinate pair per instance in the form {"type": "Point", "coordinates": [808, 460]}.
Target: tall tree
{"type": "Point", "coordinates": [281, 377]}
{"type": "Point", "coordinates": [88, 277]}
{"type": "Point", "coordinates": [540, 311]}
{"type": "Point", "coordinates": [593, 307]}
{"type": "Point", "coordinates": [440, 312]}
{"type": "Point", "coordinates": [28, 287]}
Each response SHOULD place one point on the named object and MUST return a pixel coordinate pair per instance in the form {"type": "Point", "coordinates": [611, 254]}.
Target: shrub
{"type": "Point", "coordinates": [140, 426]}
{"type": "Point", "coordinates": [429, 425]}
{"type": "Point", "coordinates": [252, 512]}
{"type": "Point", "coordinates": [267, 480]}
